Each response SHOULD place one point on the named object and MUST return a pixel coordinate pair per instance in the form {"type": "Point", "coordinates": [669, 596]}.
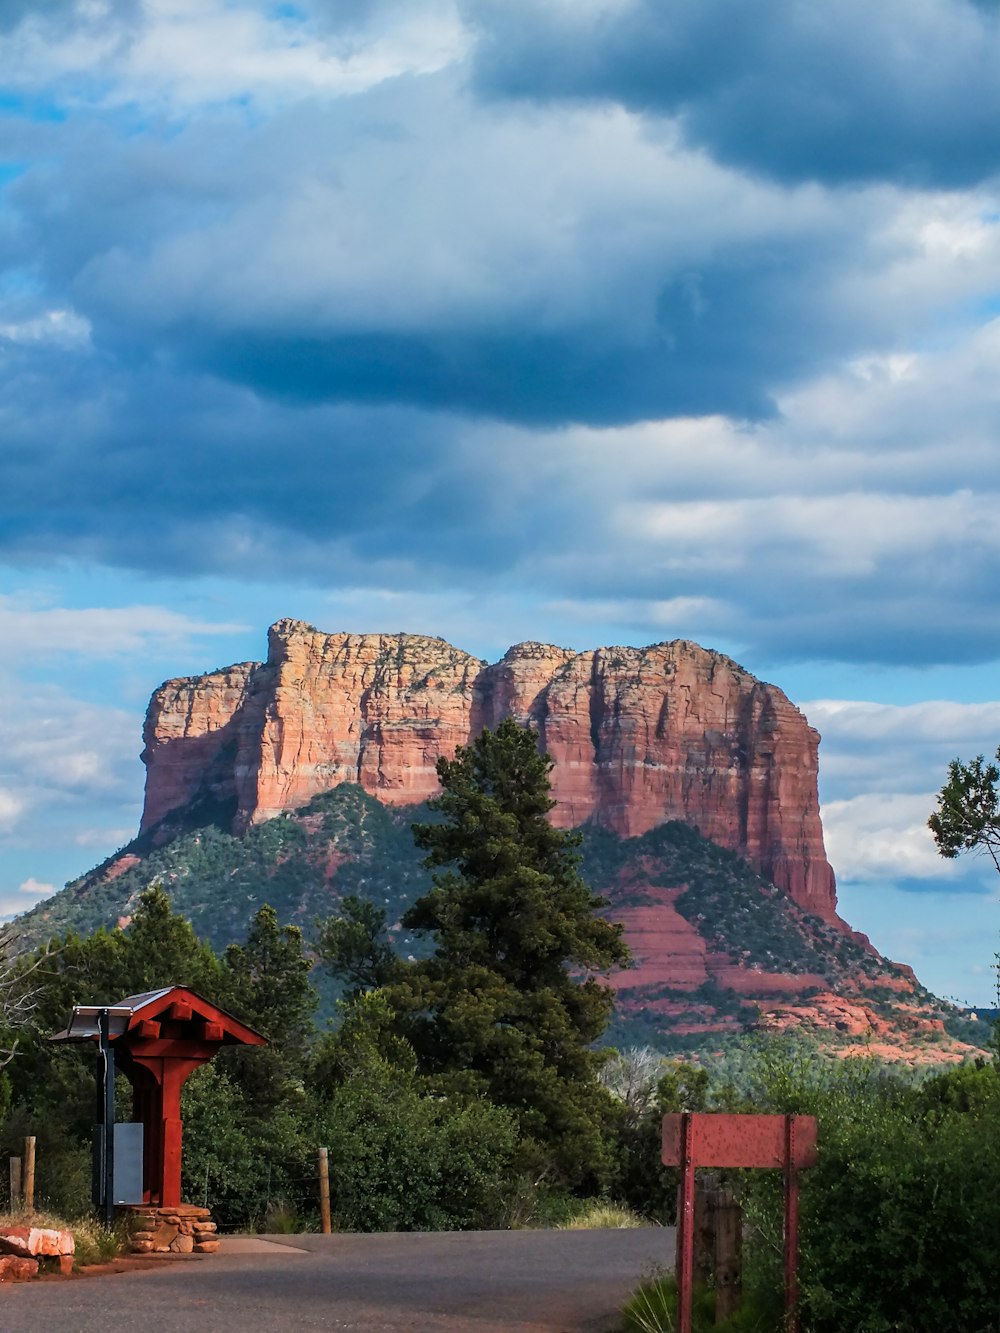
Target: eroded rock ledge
{"type": "Point", "coordinates": [638, 735]}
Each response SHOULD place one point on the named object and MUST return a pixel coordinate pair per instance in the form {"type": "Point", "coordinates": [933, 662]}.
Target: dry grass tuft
{"type": "Point", "coordinates": [596, 1216]}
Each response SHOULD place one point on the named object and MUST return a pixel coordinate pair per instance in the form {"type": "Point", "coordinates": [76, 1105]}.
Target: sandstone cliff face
{"type": "Point", "coordinates": [638, 735]}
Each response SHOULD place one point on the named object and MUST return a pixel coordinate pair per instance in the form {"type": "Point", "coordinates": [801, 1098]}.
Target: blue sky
{"type": "Point", "coordinates": [588, 321]}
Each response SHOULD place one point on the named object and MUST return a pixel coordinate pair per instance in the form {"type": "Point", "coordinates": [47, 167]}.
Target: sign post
{"type": "Point", "coordinates": [780, 1142]}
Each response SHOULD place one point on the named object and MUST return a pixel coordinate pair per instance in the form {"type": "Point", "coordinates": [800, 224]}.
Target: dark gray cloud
{"type": "Point", "coordinates": [407, 339]}
{"type": "Point", "coordinates": [902, 90]}
{"type": "Point", "coordinates": [182, 474]}
{"type": "Point", "coordinates": [415, 250]}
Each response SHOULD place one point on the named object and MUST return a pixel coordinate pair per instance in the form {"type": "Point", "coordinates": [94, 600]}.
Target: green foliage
{"type": "Point", "coordinates": [899, 1216]}
{"type": "Point", "coordinates": [683, 1087]}
{"type": "Point", "coordinates": [734, 908]}
{"type": "Point", "coordinates": [404, 1160]}
{"type": "Point", "coordinates": [345, 848]}
{"type": "Point", "coordinates": [652, 1308]}
{"type": "Point", "coordinates": [507, 894]}
{"type": "Point", "coordinates": [968, 810]}
{"type": "Point", "coordinates": [496, 1010]}
{"type": "Point", "coordinates": [354, 948]}
{"type": "Point", "coordinates": [216, 880]}
{"type": "Point", "coordinates": [266, 982]}
{"type": "Point", "coordinates": [602, 1215]}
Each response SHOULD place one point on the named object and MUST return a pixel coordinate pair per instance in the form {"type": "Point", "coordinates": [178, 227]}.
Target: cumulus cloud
{"type": "Point", "coordinates": [30, 631]}
{"type": "Point", "coordinates": [882, 837]}
{"type": "Point", "coordinates": [859, 524]}
{"type": "Point", "coordinates": [35, 888]}
{"type": "Point", "coordinates": [70, 779]}
{"type": "Point", "coordinates": [842, 92]}
{"type": "Point", "coordinates": [404, 336]}
{"type": "Point", "coordinates": [177, 55]}
{"type": "Point", "coordinates": [881, 766]}
{"type": "Point", "coordinates": [56, 748]}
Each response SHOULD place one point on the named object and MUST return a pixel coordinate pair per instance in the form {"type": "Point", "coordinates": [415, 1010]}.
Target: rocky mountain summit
{"type": "Point", "coordinates": [638, 735]}
{"type": "Point", "coordinates": [295, 781]}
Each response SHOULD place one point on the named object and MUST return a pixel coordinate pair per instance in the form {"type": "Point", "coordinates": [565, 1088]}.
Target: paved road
{"type": "Point", "coordinates": [482, 1281]}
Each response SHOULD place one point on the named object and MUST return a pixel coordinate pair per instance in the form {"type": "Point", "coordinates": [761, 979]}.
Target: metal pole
{"type": "Point", "coordinates": [324, 1192]}
{"type": "Point", "coordinates": [791, 1230]}
{"type": "Point", "coordinates": [685, 1226]}
{"type": "Point", "coordinates": [29, 1173]}
{"type": "Point", "coordinates": [108, 1118]}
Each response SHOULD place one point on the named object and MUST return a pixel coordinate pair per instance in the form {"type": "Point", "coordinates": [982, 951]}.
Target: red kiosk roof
{"type": "Point", "coordinates": [127, 1014]}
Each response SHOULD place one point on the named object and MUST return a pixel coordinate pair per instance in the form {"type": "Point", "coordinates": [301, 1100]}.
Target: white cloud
{"type": "Point", "coordinates": [104, 838]}
{"type": "Point", "coordinates": [882, 836]}
{"type": "Point", "coordinates": [63, 327]}
{"type": "Point", "coordinates": [11, 808]}
{"type": "Point", "coordinates": [52, 743]}
{"type": "Point", "coordinates": [881, 766]}
{"type": "Point", "coordinates": [28, 630]}
{"type": "Point", "coordinates": [35, 888]}
{"type": "Point", "coordinates": [179, 54]}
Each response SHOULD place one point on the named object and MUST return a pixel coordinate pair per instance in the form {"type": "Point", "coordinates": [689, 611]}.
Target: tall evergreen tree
{"type": "Point", "coordinates": [509, 1004]}
{"type": "Point", "coordinates": [268, 981]}
{"type": "Point", "coordinates": [268, 986]}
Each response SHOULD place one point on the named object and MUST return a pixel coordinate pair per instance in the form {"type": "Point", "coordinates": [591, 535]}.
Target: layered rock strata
{"type": "Point", "coordinates": [638, 735]}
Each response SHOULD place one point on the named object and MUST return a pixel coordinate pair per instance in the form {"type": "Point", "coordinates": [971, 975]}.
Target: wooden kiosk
{"type": "Point", "coordinates": [156, 1039]}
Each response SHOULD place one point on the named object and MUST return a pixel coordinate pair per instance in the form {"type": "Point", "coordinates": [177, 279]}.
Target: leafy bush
{"type": "Point", "coordinates": [899, 1217]}
{"type": "Point", "coordinates": [403, 1160]}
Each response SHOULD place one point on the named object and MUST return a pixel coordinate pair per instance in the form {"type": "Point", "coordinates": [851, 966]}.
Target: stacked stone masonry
{"type": "Point", "coordinates": [184, 1229]}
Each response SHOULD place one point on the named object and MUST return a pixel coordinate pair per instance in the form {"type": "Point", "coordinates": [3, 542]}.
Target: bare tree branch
{"type": "Point", "coordinates": [21, 988]}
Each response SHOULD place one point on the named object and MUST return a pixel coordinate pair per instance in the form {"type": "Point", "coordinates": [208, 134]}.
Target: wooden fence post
{"type": "Point", "coordinates": [704, 1231]}
{"type": "Point", "coordinates": [727, 1227]}
{"type": "Point", "coordinates": [29, 1173]}
{"type": "Point", "coordinates": [15, 1184]}
{"type": "Point", "coordinates": [324, 1192]}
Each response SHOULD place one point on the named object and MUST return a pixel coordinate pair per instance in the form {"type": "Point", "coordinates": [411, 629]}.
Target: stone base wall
{"type": "Point", "coordinates": [183, 1229]}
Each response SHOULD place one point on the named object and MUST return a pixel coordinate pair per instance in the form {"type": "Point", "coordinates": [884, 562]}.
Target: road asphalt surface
{"type": "Point", "coordinates": [438, 1282]}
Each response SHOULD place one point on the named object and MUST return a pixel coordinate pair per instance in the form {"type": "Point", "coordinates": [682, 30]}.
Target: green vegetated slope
{"type": "Point", "coordinates": [346, 842]}
{"type": "Point", "coordinates": [750, 922]}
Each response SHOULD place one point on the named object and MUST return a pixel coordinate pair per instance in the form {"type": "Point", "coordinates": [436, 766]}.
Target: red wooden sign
{"type": "Point", "coordinates": [782, 1142]}
{"type": "Point", "coordinates": [741, 1140]}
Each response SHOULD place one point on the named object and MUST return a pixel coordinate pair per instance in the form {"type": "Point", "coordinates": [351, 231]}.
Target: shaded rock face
{"type": "Point", "coordinates": [638, 736]}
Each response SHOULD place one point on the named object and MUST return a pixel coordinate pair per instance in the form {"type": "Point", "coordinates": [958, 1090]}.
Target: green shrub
{"type": "Point", "coordinates": [900, 1215]}
{"type": "Point", "coordinates": [403, 1160]}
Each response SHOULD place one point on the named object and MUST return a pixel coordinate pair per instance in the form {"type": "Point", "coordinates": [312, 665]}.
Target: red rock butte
{"type": "Point", "coordinates": [638, 735]}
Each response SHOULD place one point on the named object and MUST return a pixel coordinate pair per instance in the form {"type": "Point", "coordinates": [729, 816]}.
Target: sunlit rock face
{"type": "Point", "coordinates": [638, 735]}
